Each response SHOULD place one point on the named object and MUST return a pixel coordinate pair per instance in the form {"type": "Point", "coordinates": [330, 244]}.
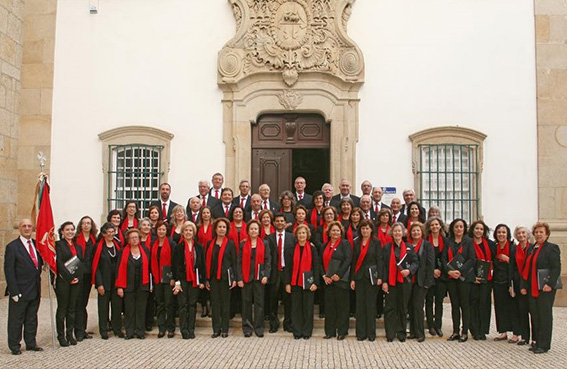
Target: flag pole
{"type": "Point", "coordinates": [43, 177]}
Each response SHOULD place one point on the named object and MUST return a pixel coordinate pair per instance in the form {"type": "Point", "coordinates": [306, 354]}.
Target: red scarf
{"type": "Point", "coordinates": [349, 236]}
{"type": "Point", "coordinates": [441, 246]}
{"type": "Point", "coordinates": [263, 231]}
{"type": "Point", "coordinates": [80, 240]}
{"type": "Point", "coordinates": [325, 236]}
{"type": "Point", "coordinates": [416, 249]}
{"type": "Point", "coordinates": [502, 250]}
{"type": "Point", "coordinates": [122, 278]}
{"type": "Point", "coordinates": [328, 253]}
{"type": "Point", "coordinates": [521, 257]}
{"type": "Point", "coordinates": [204, 237]}
{"type": "Point", "coordinates": [384, 237]}
{"type": "Point", "coordinates": [297, 224]}
{"type": "Point", "coordinates": [72, 248]}
{"type": "Point", "coordinates": [532, 263]}
{"type": "Point", "coordinates": [124, 226]}
{"type": "Point", "coordinates": [450, 252]}
{"type": "Point", "coordinates": [315, 222]}
{"type": "Point", "coordinates": [487, 255]}
{"type": "Point", "coordinates": [394, 273]}
{"type": "Point", "coordinates": [121, 238]}
{"type": "Point", "coordinates": [247, 258]}
{"type": "Point", "coordinates": [236, 236]}
{"type": "Point", "coordinates": [301, 266]}
{"type": "Point", "coordinates": [210, 257]}
{"type": "Point", "coordinates": [190, 263]}
{"type": "Point", "coordinates": [164, 260]}
{"type": "Point", "coordinates": [363, 251]}
{"type": "Point", "coordinates": [99, 248]}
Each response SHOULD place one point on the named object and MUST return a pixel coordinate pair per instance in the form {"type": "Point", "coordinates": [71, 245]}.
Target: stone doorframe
{"type": "Point", "coordinates": [265, 70]}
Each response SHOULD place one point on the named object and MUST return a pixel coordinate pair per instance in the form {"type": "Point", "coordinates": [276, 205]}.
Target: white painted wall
{"type": "Point", "coordinates": [428, 63]}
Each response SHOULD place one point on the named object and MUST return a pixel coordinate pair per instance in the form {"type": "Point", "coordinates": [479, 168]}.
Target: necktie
{"type": "Point", "coordinates": [300, 197]}
{"type": "Point", "coordinates": [394, 219]}
{"type": "Point", "coordinates": [367, 217]}
{"type": "Point", "coordinates": [242, 201]}
{"type": "Point", "coordinates": [326, 203]}
{"type": "Point", "coordinates": [226, 210]}
{"type": "Point", "coordinates": [204, 201]}
{"type": "Point", "coordinates": [194, 218]}
{"type": "Point", "coordinates": [255, 215]}
{"type": "Point", "coordinates": [164, 211]}
{"type": "Point", "coordinates": [265, 204]}
{"type": "Point", "coordinates": [32, 254]}
{"type": "Point", "coordinates": [279, 251]}
{"type": "Point", "coordinates": [376, 209]}
{"type": "Point", "coordinates": [217, 194]}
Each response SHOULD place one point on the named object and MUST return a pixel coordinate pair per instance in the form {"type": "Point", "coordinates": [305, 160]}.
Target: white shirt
{"type": "Point", "coordinates": [25, 243]}
{"type": "Point", "coordinates": [283, 246]}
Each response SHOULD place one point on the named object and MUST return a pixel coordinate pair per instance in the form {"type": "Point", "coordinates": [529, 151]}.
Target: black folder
{"type": "Point", "coordinates": [75, 267]}
{"type": "Point", "coordinates": [543, 278]}
{"type": "Point", "coordinates": [308, 280]}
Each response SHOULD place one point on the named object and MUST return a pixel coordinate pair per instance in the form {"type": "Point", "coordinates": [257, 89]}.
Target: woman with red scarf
{"type": "Point", "coordinates": [481, 288]}
{"type": "Point", "coordinates": [266, 223]}
{"type": "Point", "coordinates": [190, 272]}
{"type": "Point", "coordinates": [237, 232]}
{"type": "Point", "coordinates": [221, 272]}
{"type": "Point", "coordinates": [336, 257]}
{"type": "Point", "coordinates": [131, 216]}
{"type": "Point", "coordinates": [178, 218]}
{"type": "Point", "coordinates": [162, 251]}
{"type": "Point", "coordinates": [328, 215]}
{"type": "Point", "coordinates": [415, 214]}
{"type": "Point", "coordinates": [301, 218]}
{"type": "Point", "coordinates": [147, 239]}
{"type": "Point", "coordinates": [400, 262]}
{"type": "Point", "coordinates": [460, 276]}
{"type": "Point", "coordinates": [115, 217]}
{"type": "Point", "coordinates": [68, 286]}
{"type": "Point", "coordinates": [518, 259]}
{"type": "Point", "coordinates": [301, 259]}
{"type": "Point", "coordinates": [435, 235]}
{"type": "Point", "coordinates": [315, 216]}
{"type": "Point", "coordinates": [543, 257]}
{"type": "Point", "coordinates": [252, 272]}
{"type": "Point", "coordinates": [345, 205]}
{"type": "Point", "coordinates": [367, 256]}
{"type": "Point", "coordinates": [503, 303]}
{"type": "Point", "coordinates": [105, 262]}
{"type": "Point", "coordinates": [384, 219]}
{"type": "Point", "coordinates": [133, 284]}
{"type": "Point", "coordinates": [204, 237]}
{"type": "Point", "coordinates": [86, 238]}
{"type": "Point", "coordinates": [422, 280]}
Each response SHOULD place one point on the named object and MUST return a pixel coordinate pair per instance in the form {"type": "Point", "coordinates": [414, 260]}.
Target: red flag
{"type": "Point", "coordinates": [45, 228]}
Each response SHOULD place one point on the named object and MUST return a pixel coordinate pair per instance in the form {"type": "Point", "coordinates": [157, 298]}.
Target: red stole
{"type": "Point", "coordinates": [349, 236]}
{"type": "Point", "coordinates": [439, 241]}
{"type": "Point", "coordinates": [394, 273]}
{"type": "Point", "coordinates": [96, 259]}
{"type": "Point", "coordinates": [521, 257]}
{"type": "Point", "coordinates": [124, 226]}
{"type": "Point", "coordinates": [236, 236]}
{"type": "Point", "coordinates": [384, 237]}
{"type": "Point", "coordinates": [190, 263]}
{"type": "Point", "coordinates": [82, 242]}
{"type": "Point", "coordinates": [363, 252]}
{"type": "Point", "coordinates": [263, 231]}
{"type": "Point", "coordinates": [328, 253]}
{"type": "Point", "coordinates": [72, 248]}
{"type": "Point", "coordinates": [416, 249]}
{"type": "Point", "coordinates": [301, 266]}
{"type": "Point", "coordinates": [205, 236]}
{"type": "Point", "coordinates": [122, 278]}
{"type": "Point", "coordinates": [247, 258]}
{"type": "Point", "coordinates": [210, 257]}
{"type": "Point", "coordinates": [147, 242]}
{"type": "Point", "coordinates": [487, 255]}
{"type": "Point", "coordinates": [164, 260]}
{"type": "Point", "coordinates": [315, 222]}
{"type": "Point", "coordinates": [532, 263]}
{"type": "Point", "coordinates": [502, 250]}
{"type": "Point", "coordinates": [325, 236]}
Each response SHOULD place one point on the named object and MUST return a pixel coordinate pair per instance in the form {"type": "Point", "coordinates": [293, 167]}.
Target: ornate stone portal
{"type": "Point", "coordinates": [290, 55]}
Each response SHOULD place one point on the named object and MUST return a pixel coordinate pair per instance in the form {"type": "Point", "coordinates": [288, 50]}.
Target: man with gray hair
{"type": "Point", "coordinates": [409, 196]}
{"type": "Point", "coordinates": [243, 199]}
{"type": "Point", "coordinates": [194, 209]}
{"type": "Point", "coordinates": [327, 190]}
{"type": "Point", "coordinates": [366, 187]}
{"type": "Point", "coordinates": [255, 208]}
{"type": "Point", "coordinates": [204, 195]}
{"type": "Point", "coordinates": [344, 188]}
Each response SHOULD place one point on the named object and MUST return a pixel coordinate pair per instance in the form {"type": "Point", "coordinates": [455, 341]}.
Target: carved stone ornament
{"type": "Point", "coordinates": [291, 37]}
{"type": "Point", "coordinates": [290, 99]}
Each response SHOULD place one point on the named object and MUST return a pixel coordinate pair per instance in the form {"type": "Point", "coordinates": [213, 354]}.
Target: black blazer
{"type": "Point", "coordinates": [131, 271]}
{"type": "Point", "coordinates": [438, 262]}
{"type": "Point", "coordinates": [315, 264]}
{"type": "Point", "coordinates": [336, 200]}
{"type": "Point", "coordinates": [218, 211]}
{"type": "Point", "coordinates": [248, 214]}
{"type": "Point", "coordinates": [211, 202]}
{"type": "Point", "coordinates": [180, 266]}
{"type": "Point", "coordinates": [273, 205]}
{"type": "Point", "coordinates": [190, 216]}
{"type": "Point", "coordinates": [401, 218]}
{"type": "Point", "coordinates": [289, 242]}
{"type": "Point", "coordinates": [515, 270]}
{"type": "Point", "coordinates": [467, 270]}
{"type": "Point", "coordinates": [426, 258]}
{"type": "Point", "coordinates": [228, 260]}
{"type": "Point", "coordinates": [373, 257]}
{"type": "Point", "coordinates": [22, 277]}
{"type": "Point", "coordinates": [267, 263]}
{"type": "Point", "coordinates": [63, 253]}
{"type": "Point", "coordinates": [158, 203]}
{"type": "Point", "coordinates": [342, 253]}
{"type": "Point", "coordinates": [306, 201]}
{"type": "Point", "coordinates": [549, 258]}
{"type": "Point", "coordinates": [412, 259]}
{"type": "Point", "coordinates": [247, 203]}
{"type": "Point", "coordinates": [501, 269]}
{"type": "Point", "coordinates": [105, 274]}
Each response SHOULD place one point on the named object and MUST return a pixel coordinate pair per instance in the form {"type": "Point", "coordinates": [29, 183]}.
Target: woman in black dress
{"type": "Point", "coordinates": [86, 238]}
{"type": "Point", "coordinates": [523, 327]}
{"type": "Point", "coordinates": [435, 235]}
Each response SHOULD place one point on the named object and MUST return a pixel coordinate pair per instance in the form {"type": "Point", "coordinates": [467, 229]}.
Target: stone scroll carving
{"type": "Point", "coordinates": [291, 37]}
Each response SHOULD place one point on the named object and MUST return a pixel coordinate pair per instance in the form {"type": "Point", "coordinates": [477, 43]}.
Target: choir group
{"type": "Point", "coordinates": [351, 256]}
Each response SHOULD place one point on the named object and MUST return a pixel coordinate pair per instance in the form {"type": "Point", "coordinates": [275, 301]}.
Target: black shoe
{"type": "Point", "coordinates": [401, 339]}
{"type": "Point", "coordinates": [464, 338]}
{"type": "Point", "coordinates": [412, 337]}
{"type": "Point", "coordinates": [341, 337]}
{"type": "Point", "coordinates": [522, 342]}
{"type": "Point", "coordinates": [104, 335]}
{"type": "Point", "coordinates": [483, 337]}
{"type": "Point", "coordinates": [306, 337]}
{"type": "Point", "coordinates": [18, 352]}
{"type": "Point", "coordinates": [453, 337]}
{"type": "Point", "coordinates": [34, 348]}
{"type": "Point", "coordinates": [476, 337]}
{"type": "Point", "coordinates": [259, 335]}
{"type": "Point", "coordinates": [247, 335]}
{"type": "Point", "coordinates": [273, 330]}
{"type": "Point", "coordinates": [224, 335]}
{"type": "Point", "coordinates": [432, 332]}
{"type": "Point", "coordinates": [185, 335]}
{"type": "Point", "coordinates": [170, 334]}
{"type": "Point", "coordinates": [141, 336]}
{"type": "Point", "coordinates": [88, 336]}
{"type": "Point", "coordinates": [389, 340]}
{"type": "Point", "coordinates": [191, 335]}
{"type": "Point", "coordinates": [371, 339]}
{"type": "Point", "coordinates": [80, 338]}
{"type": "Point", "coordinates": [296, 337]}
{"type": "Point", "coordinates": [215, 335]}
{"type": "Point", "coordinates": [439, 332]}
{"type": "Point", "coordinates": [160, 334]}
{"type": "Point", "coordinates": [539, 350]}
{"type": "Point", "coordinates": [360, 338]}
{"type": "Point", "coordinates": [327, 337]}
{"type": "Point", "coordinates": [421, 339]}
{"type": "Point", "coordinates": [72, 340]}
{"type": "Point", "coordinates": [119, 334]}
{"type": "Point", "coordinates": [63, 342]}
{"type": "Point", "coordinates": [149, 328]}
{"type": "Point", "coordinates": [127, 337]}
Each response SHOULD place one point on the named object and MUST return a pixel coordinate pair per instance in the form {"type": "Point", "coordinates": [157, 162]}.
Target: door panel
{"type": "Point", "coordinates": [272, 167]}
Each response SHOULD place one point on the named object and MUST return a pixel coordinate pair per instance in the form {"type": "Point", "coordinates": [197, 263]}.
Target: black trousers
{"type": "Point", "coordinates": [366, 295]}
{"type": "Point", "coordinates": [506, 315]}
{"type": "Point", "coordinates": [336, 310]}
{"type": "Point", "coordinates": [67, 296]}
{"type": "Point", "coordinates": [150, 310]}
{"type": "Point", "coordinates": [253, 293]}
{"type": "Point", "coordinates": [416, 313]}
{"type": "Point", "coordinates": [110, 298]}
{"type": "Point", "coordinates": [522, 306]}
{"type": "Point", "coordinates": [165, 311]}
{"type": "Point", "coordinates": [434, 298]}
{"type": "Point", "coordinates": [220, 305]}
{"type": "Point", "coordinates": [321, 296]}
{"type": "Point", "coordinates": [22, 314]}
{"type": "Point", "coordinates": [302, 311]}
{"type": "Point", "coordinates": [459, 293]}
{"type": "Point", "coordinates": [188, 307]}
{"type": "Point", "coordinates": [380, 302]}
{"type": "Point", "coordinates": [135, 312]}
{"type": "Point", "coordinates": [81, 315]}
{"type": "Point", "coordinates": [480, 308]}
{"type": "Point", "coordinates": [541, 309]}
{"type": "Point", "coordinates": [277, 290]}
{"type": "Point", "coordinates": [396, 310]}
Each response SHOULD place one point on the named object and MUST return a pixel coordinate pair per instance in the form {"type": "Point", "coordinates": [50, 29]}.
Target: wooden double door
{"type": "Point", "coordinates": [285, 146]}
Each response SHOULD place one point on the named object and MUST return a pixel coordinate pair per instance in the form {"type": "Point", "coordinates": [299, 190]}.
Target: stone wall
{"type": "Point", "coordinates": [551, 50]}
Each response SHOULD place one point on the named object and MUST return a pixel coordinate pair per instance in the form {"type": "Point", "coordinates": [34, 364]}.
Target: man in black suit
{"type": "Point", "coordinates": [366, 207]}
{"type": "Point", "coordinates": [255, 208]}
{"type": "Point", "coordinates": [267, 203]}
{"type": "Point", "coordinates": [279, 242]}
{"type": "Point", "coordinates": [302, 198]}
{"type": "Point", "coordinates": [344, 188]}
{"type": "Point", "coordinates": [225, 207]}
{"type": "Point", "coordinates": [194, 210]}
{"type": "Point", "coordinates": [165, 204]}
{"type": "Point", "coordinates": [327, 190]}
{"type": "Point", "coordinates": [377, 203]}
{"type": "Point", "coordinates": [22, 266]}
{"type": "Point", "coordinates": [204, 195]}
{"type": "Point", "coordinates": [243, 199]}
{"type": "Point", "coordinates": [218, 181]}
{"type": "Point", "coordinates": [397, 215]}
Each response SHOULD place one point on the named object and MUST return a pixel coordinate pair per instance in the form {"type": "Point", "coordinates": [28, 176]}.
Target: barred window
{"type": "Point", "coordinates": [448, 178]}
{"type": "Point", "coordinates": [134, 174]}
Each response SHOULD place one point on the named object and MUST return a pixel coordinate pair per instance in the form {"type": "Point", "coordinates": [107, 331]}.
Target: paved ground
{"type": "Point", "coordinates": [279, 350]}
